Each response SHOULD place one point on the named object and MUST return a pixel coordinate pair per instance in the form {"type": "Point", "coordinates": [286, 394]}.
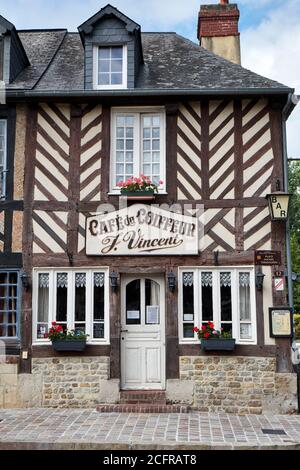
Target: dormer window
{"type": "Point", "coordinates": [110, 67]}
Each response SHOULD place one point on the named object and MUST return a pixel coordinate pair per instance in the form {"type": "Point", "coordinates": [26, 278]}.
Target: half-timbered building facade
{"type": "Point", "coordinates": [85, 111]}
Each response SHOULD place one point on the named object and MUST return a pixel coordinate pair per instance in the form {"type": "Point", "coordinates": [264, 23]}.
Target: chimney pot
{"type": "Point", "coordinates": [224, 2]}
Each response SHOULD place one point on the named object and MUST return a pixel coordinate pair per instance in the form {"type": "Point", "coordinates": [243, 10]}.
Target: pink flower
{"type": "Point", "coordinates": [120, 184]}
{"type": "Point", "coordinates": [160, 182]}
{"type": "Point", "coordinates": [214, 332]}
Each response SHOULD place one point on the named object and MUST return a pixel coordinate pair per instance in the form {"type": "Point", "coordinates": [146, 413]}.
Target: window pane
{"type": "Point", "coordinates": [129, 144]}
{"type": "Point", "coordinates": [3, 330]}
{"type": "Point", "coordinates": [129, 132]}
{"type": "Point", "coordinates": [133, 302]}
{"type": "Point", "coordinates": [188, 330]}
{"type": "Point", "coordinates": [156, 121]}
{"type": "Point", "coordinates": [80, 293]}
{"type": "Point", "coordinates": [244, 287]}
{"type": "Point", "coordinates": [120, 132]}
{"type": "Point", "coordinates": [116, 66]}
{"type": "Point", "coordinates": [116, 52]}
{"type": "Point", "coordinates": [245, 331]}
{"type": "Point", "coordinates": [98, 296]}
{"type": "Point", "coordinates": [61, 297]}
{"type": "Point", "coordinates": [188, 296]}
{"type": "Point", "coordinates": [129, 157]}
{"type": "Point", "coordinates": [98, 330]}
{"type": "Point", "coordinates": [121, 121]}
{"type": "Point", "coordinates": [227, 327]}
{"type": "Point", "coordinates": [104, 66]}
{"type": "Point", "coordinates": [104, 52]}
{"type": "Point", "coordinates": [207, 296]}
{"type": "Point", "coordinates": [116, 79]}
{"type": "Point", "coordinates": [8, 304]}
{"type": "Point", "coordinates": [3, 278]}
{"type": "Point", "coordinates": [226, 304]}
{"type": "Point", "coordinates": [104, 79]}
{"type": "Point", "coordinates": [43, 298]}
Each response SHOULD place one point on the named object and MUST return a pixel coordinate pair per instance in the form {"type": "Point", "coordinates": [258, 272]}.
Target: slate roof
{"type": "Point", "coordinates": [171, 62]}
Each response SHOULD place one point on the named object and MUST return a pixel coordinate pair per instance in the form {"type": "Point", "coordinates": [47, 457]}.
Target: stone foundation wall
{"type": "Point", "coordinates": [18, 390]}
{"type": "Point", "coordinates": [239, 384]}
{"type": "Point", "coordinates": [75, 381]}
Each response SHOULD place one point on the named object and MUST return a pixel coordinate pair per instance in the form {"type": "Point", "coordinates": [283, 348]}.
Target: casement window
{"type": "Point", "coordinates": [138, 145]}
{"type": "Point", "coordinates": [110, 67]}
{"type": "Point", "coordinates": [223, 296]}
{"type": "Point", "coordinates": [9, 304]}
{"type": "Point", "coordinates": [76, 299]}
{"type": "Point", "coordinates": [3, 165]}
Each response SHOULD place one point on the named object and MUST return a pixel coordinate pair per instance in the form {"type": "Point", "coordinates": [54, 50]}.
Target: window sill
{"type": "Point", "coordinates": [94, 343]}
{"type": "Point", "coordinates": [117, 193]}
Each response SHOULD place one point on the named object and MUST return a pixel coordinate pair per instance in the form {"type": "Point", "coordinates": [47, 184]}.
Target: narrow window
{"type": "Point", "coordinates": [151, 147]}
{"type": "Point", "coordinates": [245, 306]}
{"type": "Point", "coordinates": [43, 305]}
{"type": "Point", "coordinates": [3, 168]}
{"type": "Point", "coordinates": [133, 302]}
{"type": "Point", "coordinates": [9, 282]}
{"type": "Point", "coordinates": [99, 306]}
{"type": "Point", "coordinates": [62, 299]}
{"type": "Point", "coordinates": [188, 304]}
{"type": "Point", "coordinates": [80, 301]}
{"type": "Point", "coordinates": [111, 66]}
{"type": "Point", "coordinates": [226, 302]}
{"type": "Point", "coordinates": [207, 297]}
{"type": "Point", "coordinates": [124, 147]}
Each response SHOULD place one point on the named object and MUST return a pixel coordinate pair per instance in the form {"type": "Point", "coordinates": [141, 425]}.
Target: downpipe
{"type": "Point", "coordinates": [295, 353]}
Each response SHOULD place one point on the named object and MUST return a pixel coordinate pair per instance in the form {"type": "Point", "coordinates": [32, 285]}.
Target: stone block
{"type": "Point", "coordinates": [179, 391]}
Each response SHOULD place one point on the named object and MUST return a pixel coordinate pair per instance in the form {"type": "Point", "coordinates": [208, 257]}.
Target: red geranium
{"type": "Point", "coordinates": [195, 329]}
{"type": "Point", "coordinates": [206, 335]}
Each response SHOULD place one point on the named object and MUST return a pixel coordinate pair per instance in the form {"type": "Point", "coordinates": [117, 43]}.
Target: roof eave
{"type": "Point", "coordinates": [31, 94]}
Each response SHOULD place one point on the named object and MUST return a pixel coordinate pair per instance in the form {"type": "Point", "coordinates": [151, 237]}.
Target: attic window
{"type": "Point", "coordinates": [110, 67]}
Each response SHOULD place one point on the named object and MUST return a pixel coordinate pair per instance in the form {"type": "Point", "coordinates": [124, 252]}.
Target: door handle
{"type": "Point", "coordinates": [124, 331]}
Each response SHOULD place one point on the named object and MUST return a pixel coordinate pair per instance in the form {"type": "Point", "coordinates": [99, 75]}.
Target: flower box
{"type": "Point", "coordinates": [69, 345]}
{"type": "Point", "coordinates": [138, 195]}
{"type": "Point", "coordinates": [218, 344]}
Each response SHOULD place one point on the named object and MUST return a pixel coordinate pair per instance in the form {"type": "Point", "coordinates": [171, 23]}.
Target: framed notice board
{"type": "Point", "coordinates": [281, 322]}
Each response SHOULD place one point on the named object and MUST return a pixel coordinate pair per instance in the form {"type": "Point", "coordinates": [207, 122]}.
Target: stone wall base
{"type": "Point", "coordinates": [239, 385]}
{"type": "Point", "coordinates": [79, 382]}
{"type": "Point", "coordinates": [18, 390]}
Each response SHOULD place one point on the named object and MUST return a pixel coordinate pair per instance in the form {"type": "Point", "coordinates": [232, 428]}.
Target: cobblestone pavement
{"type": "Point", "coordinates": [82, 428]}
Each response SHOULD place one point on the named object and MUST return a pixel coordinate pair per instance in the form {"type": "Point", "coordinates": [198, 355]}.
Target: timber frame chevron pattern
{"type": "Point", "coordinates": [52, 153]}
{"type": "Point", "coordinates": [225, 160]}
{"type": "Point", "coordinates": [90, 153]}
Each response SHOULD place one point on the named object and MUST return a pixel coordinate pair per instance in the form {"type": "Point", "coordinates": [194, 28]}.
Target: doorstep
{"type": "Point", "coordinates": [142, 408]}
{"type": "Point", "coordinates": [143, 401]}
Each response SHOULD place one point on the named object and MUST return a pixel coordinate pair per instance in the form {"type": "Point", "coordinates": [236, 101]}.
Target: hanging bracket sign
{"type": "Point", "coordinates": [141, 230]}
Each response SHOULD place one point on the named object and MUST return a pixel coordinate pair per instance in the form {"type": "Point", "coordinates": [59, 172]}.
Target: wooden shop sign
{"type": "Point", "coordinates": [141, 230]}
{"type": "Point", "coordinates": [267, 258]}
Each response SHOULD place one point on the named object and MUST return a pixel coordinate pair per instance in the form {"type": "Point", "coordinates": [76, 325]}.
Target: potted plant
{"type": "Point", "coordinates": [214, 340]}
{"type": "Point", "coordinates": [61, 340]}
{"type": "Point", "coordinates": [139, 188]}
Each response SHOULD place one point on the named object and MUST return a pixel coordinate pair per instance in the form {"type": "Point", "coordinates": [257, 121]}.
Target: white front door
{"type": "Point", "coordinates": [143, 333]}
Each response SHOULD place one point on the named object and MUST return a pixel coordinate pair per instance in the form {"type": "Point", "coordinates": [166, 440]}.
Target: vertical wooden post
{"type": "Point", "coordinates": [26, 310]}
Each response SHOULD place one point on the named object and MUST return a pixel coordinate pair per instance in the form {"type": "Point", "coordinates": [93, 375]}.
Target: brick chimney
{"type": "Point", "coordinates": [218, 30]}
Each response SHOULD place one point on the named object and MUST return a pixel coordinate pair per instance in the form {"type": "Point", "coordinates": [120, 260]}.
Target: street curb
{"type": "Point", "coordinates": [140, 446]}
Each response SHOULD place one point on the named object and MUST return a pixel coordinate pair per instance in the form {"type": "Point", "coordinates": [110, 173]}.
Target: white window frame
{"type": "Point", "coordinates": [234, 270]}
{"type": "Point", "coordinates": [137, 143]}
{"type": "Point", "coordinates": [96, 85]}
{"type": "Point", "coordinates": [3, 173]}
{"type": "Point", "coordinates": [71, 301]}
